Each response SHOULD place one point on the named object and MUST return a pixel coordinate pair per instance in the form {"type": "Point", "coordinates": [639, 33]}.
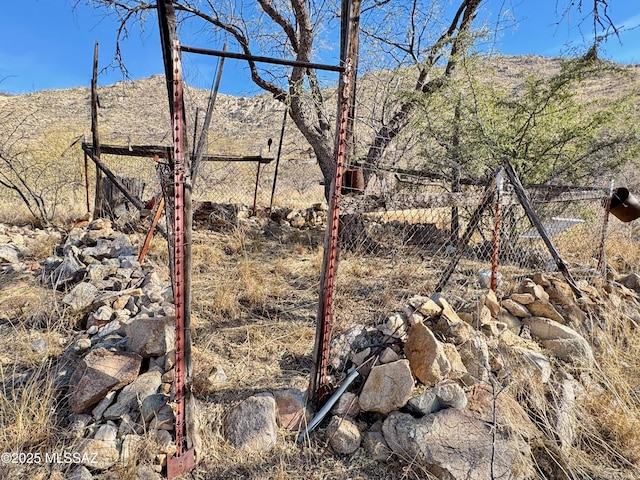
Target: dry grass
{"type": "Point", "coordinates": [255, 296]}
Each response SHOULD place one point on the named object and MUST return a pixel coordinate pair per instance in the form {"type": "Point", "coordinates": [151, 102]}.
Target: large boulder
{"type": "Point", "coordinates": [454, 445]}
{"type": "Point", "coordinates": [428, 359]}
{"type": "Point", "coordinates": [561, 340]}
{"type": "Point", "coordinates": [152, 336]}
{"type": "Point", "coordinates": [387, 388]}
{"type": "Point", "coordinates": [251, 426]}
{"type": "Point", "coordinates": [100, 372]}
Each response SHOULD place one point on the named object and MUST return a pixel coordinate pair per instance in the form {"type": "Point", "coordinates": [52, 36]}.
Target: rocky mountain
{"type": "Point", "coordinates": [137, 111]}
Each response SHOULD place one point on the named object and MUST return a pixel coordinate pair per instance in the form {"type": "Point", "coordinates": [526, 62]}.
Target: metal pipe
{"type": "Point", "coordinates": [257, 58]}
{"type": "Point", "coordinates": [275, 173]}
{"type": "Point", "coordinates": [255, 192]}
{"type": "Point", "coordinates": [199, 150]}
{"type": "Point", "coordinates": [327, 406]}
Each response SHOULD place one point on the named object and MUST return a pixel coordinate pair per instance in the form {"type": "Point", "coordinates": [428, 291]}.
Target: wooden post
{"type": "Point", "coordinates": [97, 206]}
{"type": "Point", "coordinates": [152, 228]}
{"type": "Point", "coordinates": [86, 181]}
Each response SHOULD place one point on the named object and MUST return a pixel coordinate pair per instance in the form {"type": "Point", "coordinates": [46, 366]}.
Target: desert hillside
{"type": "Point", "coordinates": [442, 377]}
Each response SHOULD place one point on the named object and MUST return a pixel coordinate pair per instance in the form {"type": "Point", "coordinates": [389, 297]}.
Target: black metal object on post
{"type": "Point", "coordinates": [624, 205]}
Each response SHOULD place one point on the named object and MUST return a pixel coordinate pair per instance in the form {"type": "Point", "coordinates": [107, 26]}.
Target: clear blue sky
{"type": "Point", "coordinates": [46, 45]}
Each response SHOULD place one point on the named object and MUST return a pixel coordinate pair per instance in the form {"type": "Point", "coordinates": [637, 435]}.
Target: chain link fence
{"type": "Point", "coordinates": [402, 235]}
{"type": "Point", "coordinates": [416, 237]}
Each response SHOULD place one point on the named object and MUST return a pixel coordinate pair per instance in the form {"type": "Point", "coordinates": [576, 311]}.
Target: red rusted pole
{"type": "Point", "coordinates": [184, 458]}
{"type": "Point", "coordinates": [495, 251]}
{"type": "Point", "coordinates": [318, 387]}
{"type": "Point", "coordinates": [178, 230]}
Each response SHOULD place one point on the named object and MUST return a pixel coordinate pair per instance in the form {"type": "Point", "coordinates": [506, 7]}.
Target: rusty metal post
{"type": "Point", "coordinates": [602, 256]}
{"type": "Point", "coordinates": [184, 459]}
{"type": "Point", "coordinates": [152, 228]}
{"type": "Point", "coordinates": [495, 251]}
{"type": "Point", "coordinates": [318, 385]}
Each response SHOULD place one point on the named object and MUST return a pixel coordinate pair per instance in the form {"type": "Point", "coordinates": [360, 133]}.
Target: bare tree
{"type": "Point", "coordinates": [26, 170]}
{"type": "Point", "coordinates": [428, 36]}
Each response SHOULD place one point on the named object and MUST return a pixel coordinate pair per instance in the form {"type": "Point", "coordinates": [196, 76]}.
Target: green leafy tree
{"type": "Point", "coordinates": [560, 128]}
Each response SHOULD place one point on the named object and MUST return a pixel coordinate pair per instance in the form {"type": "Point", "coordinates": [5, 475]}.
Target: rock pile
{"type": "Point", "coordinates": [438, 390]}
{"type": "Point", "coordinates": [17, 244]}
{"type": "Point", "coordinates": [121, 385]}
{"type": "Point", "coordinates": [218, 216]}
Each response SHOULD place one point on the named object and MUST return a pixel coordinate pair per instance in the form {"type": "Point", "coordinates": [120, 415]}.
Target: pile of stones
{"type": "Point", "coordinates": [121, 360]}
{"type": "Point", "coordinates": [437, 391]}
{"type": "Point", "coordinates": [17, 244]}
{"type": "Point", "coordinates": [221, 217]}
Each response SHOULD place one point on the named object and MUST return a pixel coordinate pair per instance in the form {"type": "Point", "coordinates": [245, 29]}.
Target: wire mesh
{"type": "Point", "coordinates": [408, 239]}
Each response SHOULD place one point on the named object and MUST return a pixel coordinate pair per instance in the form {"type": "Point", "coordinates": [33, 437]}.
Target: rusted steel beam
{"type": "Point", "coordinates": [184, 458]}
{"type": "Point", "coordinates": [260, 59]}
{"type": "Point", "coordinates": [318, 385]}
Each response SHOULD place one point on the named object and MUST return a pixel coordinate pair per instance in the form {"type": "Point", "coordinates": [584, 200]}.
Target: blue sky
{"type": "Point", "coordinates": [46, 45]}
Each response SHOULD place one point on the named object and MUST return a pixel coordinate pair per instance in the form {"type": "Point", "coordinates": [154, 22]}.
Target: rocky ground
{"type": "Point", "coordinates": [535, 382]}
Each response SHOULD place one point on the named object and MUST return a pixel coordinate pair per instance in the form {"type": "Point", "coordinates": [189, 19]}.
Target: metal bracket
{"type": "Point", "coordinates": [177, 465]}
